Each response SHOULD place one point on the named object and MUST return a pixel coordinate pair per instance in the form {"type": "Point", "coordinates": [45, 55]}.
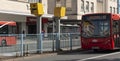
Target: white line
{"type": "Point", "coordinates": [4, 24]}
{"type": "Point", "coordinates": [99, 56]}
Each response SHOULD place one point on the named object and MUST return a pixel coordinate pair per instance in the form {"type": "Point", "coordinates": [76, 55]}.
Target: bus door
{"type": "Point", "coordinates": [116, 31]}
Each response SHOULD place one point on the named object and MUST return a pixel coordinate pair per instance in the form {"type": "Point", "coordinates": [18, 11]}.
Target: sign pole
{"type": "Point", "coordinates": [58, 34]}
{"type": "Point", "coordinates": [37, 10]}
{"type": "Point", "coordinates": [58, 13]}
{"type": "Point", "coordinates": [57, 20]}
{"type": "Point", "coordinates": [39, 34]}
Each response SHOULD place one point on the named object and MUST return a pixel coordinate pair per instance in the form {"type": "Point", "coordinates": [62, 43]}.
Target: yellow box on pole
{"type": "Point", "coordinates": [36, 9]}
{"type": "Point", "coordinates": [59, 11]}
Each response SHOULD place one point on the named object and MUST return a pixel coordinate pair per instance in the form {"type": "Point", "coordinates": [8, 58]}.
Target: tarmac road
{"type": "Point", "coordinates": [76, 56]}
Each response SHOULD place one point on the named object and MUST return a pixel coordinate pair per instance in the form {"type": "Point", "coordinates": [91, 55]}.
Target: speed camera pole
{"type": "Point", "coordinates": [58, 13]}
{"type": "Point", "coordinates": [57, 21]}
{"type": "Point", "coordinates": [39, 34]}
{"type": "Point", "coordinates": [37, 10]}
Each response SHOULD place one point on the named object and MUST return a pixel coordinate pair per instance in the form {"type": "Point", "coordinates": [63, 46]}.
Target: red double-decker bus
{"type": "Point", "coordinates": [7, 31]}
{"type": "Point", "coordinates": [100, 31]}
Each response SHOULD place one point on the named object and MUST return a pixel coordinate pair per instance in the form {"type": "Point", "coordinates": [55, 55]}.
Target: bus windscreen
{"type": "Point", "coordinates": [95, 25]}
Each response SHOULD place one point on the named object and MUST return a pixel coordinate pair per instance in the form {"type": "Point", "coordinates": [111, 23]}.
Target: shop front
{"type": "Point", "coordinates": [32, 26]}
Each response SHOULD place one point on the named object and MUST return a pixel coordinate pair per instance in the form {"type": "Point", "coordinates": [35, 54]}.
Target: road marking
{"type": "Point", "coordinates": [99, 56]}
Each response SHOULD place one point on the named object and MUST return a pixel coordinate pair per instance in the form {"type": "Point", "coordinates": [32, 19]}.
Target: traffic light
{"type": "Point", "coordinates": [36, 9]}
{"type": "Point", "coordinates": [59, 11]}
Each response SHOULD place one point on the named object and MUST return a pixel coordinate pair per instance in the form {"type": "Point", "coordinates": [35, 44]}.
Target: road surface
{"type": "Point", "coordinates": [77, 56]}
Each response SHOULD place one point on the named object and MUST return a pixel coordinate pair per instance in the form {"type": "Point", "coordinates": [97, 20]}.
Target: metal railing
{"type": "Point", "coordinates": [27, 43]}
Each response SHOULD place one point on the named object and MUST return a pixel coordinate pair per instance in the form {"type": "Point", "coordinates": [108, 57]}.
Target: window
{"type": "Point", "coordinates": [4, 30]}
{"type": "Point", "coordinates": [69, 4]}
{"type": "Point", "coordinates": [58, 3]}
{"type": "Point", "coordinates": [33, 1]}
{"type": "Point", "coordinates": [110, 9]}
{"type": "Point", "coordinates": [100, 1]}
{"type": "Point", "coordinates": [114, 0]}
{"type": "Point", "coordinates": [113, 9]}
{"type": "Point", "coordinates": [94, 28]}
{"type": "Point", "coordinates": [87, 6]}
{"type": "Point", "coordinates": [115, 27]}
{"type": "Point", "coordinates": [82, 5]}
{"type": "Point", "coordinates": [92, 7]}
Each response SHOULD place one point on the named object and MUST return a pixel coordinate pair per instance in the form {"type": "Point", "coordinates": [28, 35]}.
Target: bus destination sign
{"type": "Point", "coordinates": [96, 17]}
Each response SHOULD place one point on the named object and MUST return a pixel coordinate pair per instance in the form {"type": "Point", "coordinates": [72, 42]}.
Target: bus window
{"type": "Point", "coordinates": [104, 28]}
{"type": "Point", "coordinates": [11, 29]}
{"type": "Point", "coordinates": [96, 28]}
{"type": "Point", "coordinates": [4, 30]}
{"type": "Point", "coordinates": [88, 28]}
{"type": "Point", "coordinates": [115, 27]}
{"type": "Point", "coordinates": [7, 28]}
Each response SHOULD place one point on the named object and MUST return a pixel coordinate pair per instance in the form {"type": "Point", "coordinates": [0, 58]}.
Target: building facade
{"type": "Point", "coordinates": [118, 3]}
{"type": "Point", "coordinates": [76, 8]}
{"type": "Point", "coordinates": [19, 11]}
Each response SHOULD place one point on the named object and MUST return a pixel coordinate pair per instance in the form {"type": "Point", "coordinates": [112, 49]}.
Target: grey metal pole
{"type": "Point", "coordinates": [39, 34]}
{"type": "Point", "coordinates": [57, 19]}
{"type": "Point", "coordinates": [58, 34]}
{"type": "Point", "coordinates": [22, 49]}
{"type": "Point", "coordinates": [59, 28]}
{"type": "Point", "coordinates": [53, 34]}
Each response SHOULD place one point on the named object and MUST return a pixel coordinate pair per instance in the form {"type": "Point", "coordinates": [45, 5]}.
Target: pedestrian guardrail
{"type": "Point", "coordinates": [27, 43]}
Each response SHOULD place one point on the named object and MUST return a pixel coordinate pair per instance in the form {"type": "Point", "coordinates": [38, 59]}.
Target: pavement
{"type": "Point", "coordinates": [27, 57]}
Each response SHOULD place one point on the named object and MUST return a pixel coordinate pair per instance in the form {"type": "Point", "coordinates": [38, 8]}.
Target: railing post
{"type": "Point", "coordinates": [53, 38]}
{"type": "Point", "coordinates": [41, 37]}
{"type": "Point", "coordinates": [57, 42]}
{"type": "Point", "coordinates": [40, 45]}
{"type": "Point", "coordinates": [70, 41]}
{"type": "Point", "coordinates": [39, 34]}
{"type": "Point", "coordinates": [21, 46]}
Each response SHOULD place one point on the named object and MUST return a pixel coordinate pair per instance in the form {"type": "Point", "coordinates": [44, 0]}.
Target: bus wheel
{"type": "Point", "coordinates": [3, 43]}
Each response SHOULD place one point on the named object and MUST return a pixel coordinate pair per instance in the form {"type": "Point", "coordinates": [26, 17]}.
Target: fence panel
{"type": "Point", "coordinates": [27, 43]}
{"type": "Point", "coordinates": [49, 42]}
{"type": "Point", "coordinates": [69, 41]}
